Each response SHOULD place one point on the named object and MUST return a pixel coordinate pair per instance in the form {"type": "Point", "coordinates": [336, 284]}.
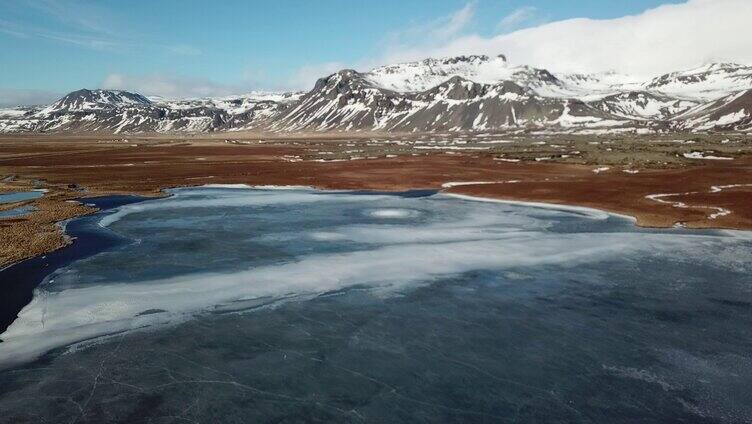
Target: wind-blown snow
{"type": "Point", "coordinates": [420, 76]}
{"type": "Point", "coordinates": [409, 243]}
{"type": "Point", "coordinates": [701, 155]}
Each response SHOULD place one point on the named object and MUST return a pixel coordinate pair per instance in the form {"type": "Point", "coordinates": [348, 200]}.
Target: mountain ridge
{"type": "Point", "coordinates": [463, 93]}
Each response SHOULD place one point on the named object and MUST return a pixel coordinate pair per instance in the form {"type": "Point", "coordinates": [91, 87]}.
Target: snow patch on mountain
{"type": "Point", "coordinates": [428, 73]}
{"type": "Point", "coordinates": [474, 93]}
{"type": "Point", "coordinates": [706, 82]}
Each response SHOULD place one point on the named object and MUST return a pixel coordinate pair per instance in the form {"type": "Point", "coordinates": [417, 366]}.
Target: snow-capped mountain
{"type": "Point", "coordinates": [349, 100]}
{"type": "Point", "coordinates": [464, 93]}
{"type": "Point", "coordinates": [424, 74]}
{"type": "Point", "coordinates": [643, 105]}
{"type": "Point", "coordinates": [98, 99]}
{"type": "Point", "coordinates": [234, 105]}
{"type": "Point", "coordinates": [122, 112]}
{"type": "Point", "coordinates": [428, 73]}
{"type": "Point", "coordinates": [706, 82]}
{"type": "Point", "coordinates": [482, 93]}
{"type": "Point", "coordinates": [245, 111]}
{"type": "Point", "coordinates": [729, 113]}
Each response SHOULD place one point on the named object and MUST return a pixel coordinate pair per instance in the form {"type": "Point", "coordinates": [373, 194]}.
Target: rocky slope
{"type": "Point", "coordinates": [124, 112]}
{"type": "Point", "coordinates": [349, 100]}
{"type": "Point", "coordinates": [729, 113]}
{"type": "Point", "coordinates": [466, 93]}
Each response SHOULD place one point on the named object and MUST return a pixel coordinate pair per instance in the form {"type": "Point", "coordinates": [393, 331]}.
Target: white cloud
{"type": "Point", "coordinates": [518, 17]}
{"type": "Point", "coordinates": [184, 50]}
{"type": "Point", "coordinates": [77, 15]}
{"type": "Point", "coordinates": [83, 24]}
{"type": "Point", "coordinates": [408, 42]}
{"type": "Point", "coordinates": [305, 77]}
{"type": "Point", "coordinates": [663, 39]}
{"type": "Point", "coordinates": [73, 22]}
{"type": "Point", "coordinates": [177, 86]}
{"type": "Point", "coordinates": [23, 97]}
{"type": "Point", "coordinates": [455, 23]}
{"type": "Point", "coordinates": [397, 43]}
{"type": "Point", "coordinates": [170, 86]}
{"type": "Point", "coordinates": [93, 43]}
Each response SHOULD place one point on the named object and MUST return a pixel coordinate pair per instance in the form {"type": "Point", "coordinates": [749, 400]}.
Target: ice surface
{"type": "Point", "coordinates": [15, 212]}
{"type": "Point", "coordinates": [701, 155]}
{"type": "Point", "coordinates": [462, 237]}
{"type": "Point", "coordinates": [20, 196]}
{"type": "Point", "coordinates": [251, 305]}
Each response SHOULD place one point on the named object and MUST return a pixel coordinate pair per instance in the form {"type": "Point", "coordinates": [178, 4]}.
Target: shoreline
{"type": "Point", "coordinates": [83, 237]}
{"type": "Point", "coordinates": [55, 350]}
{"type": "Point", "coordinates": [67, 239]}
{"type": "Point", "coordinates": [21, 278]}
{"type": "Point", "coordinates": [708, 195]}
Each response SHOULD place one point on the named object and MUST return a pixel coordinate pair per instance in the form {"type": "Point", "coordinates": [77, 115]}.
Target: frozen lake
{"type": "Point", "coordinates": [17, 212]}
{"type": "Point", "coordinates": [20, 196]}
{"type": "Point", "coordinates": [243, 305]}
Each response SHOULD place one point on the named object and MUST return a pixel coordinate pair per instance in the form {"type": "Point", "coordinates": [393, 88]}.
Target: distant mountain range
{"type": "Point", "coordinates": [459, 94]}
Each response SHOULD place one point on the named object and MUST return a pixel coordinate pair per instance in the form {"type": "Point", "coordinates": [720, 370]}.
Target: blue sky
{"type": "Point", "coordinates": [55, 46]}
